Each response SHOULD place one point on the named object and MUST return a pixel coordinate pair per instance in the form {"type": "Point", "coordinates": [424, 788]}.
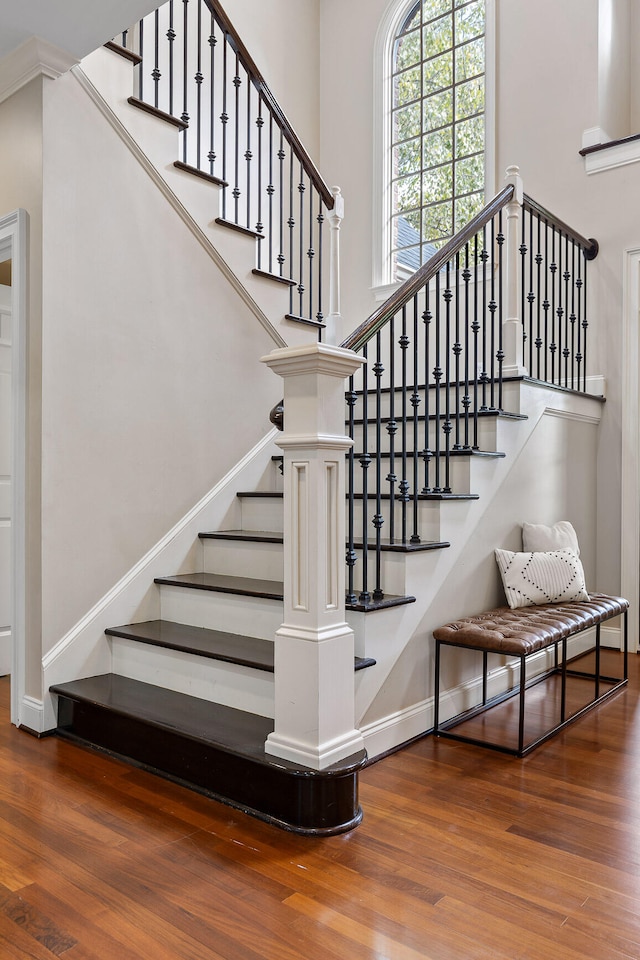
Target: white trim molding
{"type": "Point", "coordinates": [608, 157]}
{"type": "Point", "coordinates": [14, 229]}
{"type": "Point", "coordinates": [630, 507]}
{"type": "Point", "coordinates": [33, 58]}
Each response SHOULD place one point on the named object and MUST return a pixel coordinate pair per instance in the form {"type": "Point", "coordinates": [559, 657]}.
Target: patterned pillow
{"type": "Point", "coordinates": [554, 577]}
{"type": "Point", "coordinates": [538, 536]}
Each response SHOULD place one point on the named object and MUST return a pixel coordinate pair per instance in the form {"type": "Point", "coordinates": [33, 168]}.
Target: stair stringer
{"type": "Point", "coordinates": [85, 651]}
{"type": "Point", "coordinates": [108, 80]}
{"type": "Point", "coordinates": [394, 700]}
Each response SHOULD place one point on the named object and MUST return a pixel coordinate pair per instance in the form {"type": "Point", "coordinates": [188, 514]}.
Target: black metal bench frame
{"type": "Point", "coordinates": [561, 666]}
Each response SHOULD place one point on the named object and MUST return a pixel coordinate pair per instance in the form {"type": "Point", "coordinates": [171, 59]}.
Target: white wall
{"type": "Point", "coordinates": [614, 68]}
{"type": "Point", "coordinates": [152, 386]}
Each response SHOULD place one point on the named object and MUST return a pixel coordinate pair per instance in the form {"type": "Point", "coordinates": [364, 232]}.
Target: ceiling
{"type": "Point", "coordinates": [76, 26]}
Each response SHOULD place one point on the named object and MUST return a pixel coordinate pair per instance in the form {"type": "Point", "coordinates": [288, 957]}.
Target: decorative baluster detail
{"type": "Point", "coordinates": [248, 155]}
{"type": "Point", "coordinates": [572, 318]}
{"type": "Point", "coordinates": [378, 519]}
{"type": "Point", "coordinates": [579, 318]}
{"type": "Point", "coordinates": [447, 379]}
{"type": "Point", "coordinates": [392, 428]}
{"type": "Point", "coordinates": [281, 158]}
{"type": "Point", "coordinates": [585, 325]}
{"type": "Point", "coordinates": [291, 223]}
{"type": "Point", "coordinates": [155, 73]}
{"type": "Point", "coordinates": [545, 302]}
{"type": "Point", "coordinates": [500, 354]}
{"type": "Point", "coordinates": [141, 64]}
{"type": "Point", "coordinates": [484, 377]}
{"type": "Point", "coordinates": [270, 193]}
{"type": "Point", "coordinates": [559, 310]}
{"type": "Point", "coordinates": [492, 313]}
{"type": "Point", "coordinates": [539, 260]}
{"type": "Point", "coordinates": [457, 350]}
{"type": "Point", "coordinates": [224, 120]}
{"type": "Point", "coordinates": [553, 269]}
{"type": "Point", "coordinates": [310, 256]}
{"type": "Point", "coordinates": [184, 116]}
{"type": "Point", "coordinates": [403, 489]}
{"type": "Point", "coordinates": [475, 329]}
{"type": "Point", "coordinates": [171, 37]}
{"type": "Point", "coordinates": [236, 193]}
{"type": "Point", "coordinates": [531, 296]}
{"type": "Point", "coordinates": [199, 77]}
{"type": "Point", "coordinates": [211, 156]}
{"type": "Point", "coordinates": [259, 224]}
{"type": "Point", "coordinates": [567, 277]}
{"type": "Point", "coordinates": [301, 190]}
{"type": "Point", "coordinates": [319, 314]}
{"type": "Point", "coordinates": [427, 454]}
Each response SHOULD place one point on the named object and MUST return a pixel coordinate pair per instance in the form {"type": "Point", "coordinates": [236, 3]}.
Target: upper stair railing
{"type": "Point", "coordinates": [193, 67]}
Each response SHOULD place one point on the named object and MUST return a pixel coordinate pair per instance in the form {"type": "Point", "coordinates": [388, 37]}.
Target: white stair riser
{"type": "Point", "coordinates": [487, 437]}
{"type": "Point", "coordinates": [253, 616]}
{"type": "Point", "coordinates": [459, 476]}
{"type": "Point", "coordinates": [262, 513]}
{"type": "Point", "coordinates": [241, 558]}
{"type": "Point", "coordinates": [427, 405]}
{"type": "Point", "coordinates": [231, 684]}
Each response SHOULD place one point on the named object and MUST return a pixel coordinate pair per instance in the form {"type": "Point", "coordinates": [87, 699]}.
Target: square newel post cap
{"type": "Point", "coordinates": [314, 358]}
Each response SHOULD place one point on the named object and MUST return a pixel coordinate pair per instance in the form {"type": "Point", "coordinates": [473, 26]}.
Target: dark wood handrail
{"type": "Point", "coordinates": [590, 247]}
{"type": "Point", "coordinates": [400, 297]}
{"type": "Point", "coordinates": [270, 101]}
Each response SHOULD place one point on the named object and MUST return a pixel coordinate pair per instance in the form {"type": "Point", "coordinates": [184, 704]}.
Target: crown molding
{"type": "Point", "coordinates": [33, 58]}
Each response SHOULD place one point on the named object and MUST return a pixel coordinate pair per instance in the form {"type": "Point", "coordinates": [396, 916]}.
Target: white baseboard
{"type": "Point", "coordinates": [31, 714]}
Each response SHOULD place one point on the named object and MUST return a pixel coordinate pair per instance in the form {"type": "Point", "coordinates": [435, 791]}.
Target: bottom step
{"type": "Point", "coordinates": [211, 748]}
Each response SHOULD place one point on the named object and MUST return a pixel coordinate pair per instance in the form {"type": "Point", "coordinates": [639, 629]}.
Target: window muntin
{"type": "Point", "coordinates": [438, 126]}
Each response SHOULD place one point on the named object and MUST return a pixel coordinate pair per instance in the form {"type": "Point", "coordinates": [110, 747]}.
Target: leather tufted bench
{"type": "Point", "coordinates": [521, 633]}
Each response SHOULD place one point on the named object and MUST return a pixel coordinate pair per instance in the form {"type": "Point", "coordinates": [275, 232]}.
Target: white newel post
{"type": "Point", "coordinates": [335, 218]}
{"type": "Point", "coordinates": [512, 342]}
{"type": "Point", "coordinates": [314, 647]}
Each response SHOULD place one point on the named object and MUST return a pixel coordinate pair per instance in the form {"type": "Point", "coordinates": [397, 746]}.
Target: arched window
{"type": "Point", "coordinates": [435, 127]}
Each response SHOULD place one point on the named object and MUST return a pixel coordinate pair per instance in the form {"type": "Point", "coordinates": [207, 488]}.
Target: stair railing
{"type": "Point", "coordinates": [505, 297]}
{"type": "Point", "coordinates": [193, 66]}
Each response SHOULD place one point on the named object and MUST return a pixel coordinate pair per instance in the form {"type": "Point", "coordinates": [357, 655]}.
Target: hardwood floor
{"type": "Point", "coordinates": [463, 854]}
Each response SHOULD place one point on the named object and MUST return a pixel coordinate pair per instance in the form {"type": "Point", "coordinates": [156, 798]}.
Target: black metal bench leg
{"type": "Point", "coordinates": [626, 644]}
{"type": "Point", "coordinates": [597, 661]}
{"type": "Point", "coordinates": [523, 683]}
{"type": "Point", "coordinates": [484, 678]}
{"type": "Point", "coordinates": [436, 693]}
{"type": "Point", "coordinates": [563, 695]}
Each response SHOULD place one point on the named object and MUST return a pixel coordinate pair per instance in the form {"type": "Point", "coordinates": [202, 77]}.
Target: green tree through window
{"type": "Point", "coordinates": [438, 126]}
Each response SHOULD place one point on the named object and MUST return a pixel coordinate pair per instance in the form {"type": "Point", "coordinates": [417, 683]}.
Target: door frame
{"type": "Point", "coordinates": [630, 480]}
{"type": "Point", "coordinates": [13, 245]}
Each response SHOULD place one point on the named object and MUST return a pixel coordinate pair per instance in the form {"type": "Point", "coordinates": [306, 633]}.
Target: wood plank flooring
{"type": "Point", "coordinates": [463, 854]}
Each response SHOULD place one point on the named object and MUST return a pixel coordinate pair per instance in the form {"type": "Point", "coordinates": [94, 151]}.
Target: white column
{"type": "Point", "coordinates": [335, 218]}
{"type": "Point", "coordinates": [512, 343]}
{"type": "Point", "coordinates": [314, 647]}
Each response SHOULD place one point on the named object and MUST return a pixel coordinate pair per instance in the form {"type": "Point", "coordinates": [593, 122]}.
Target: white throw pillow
{"type": "Point", "coordinates": [551, 577]}
{"type": "Point", "coordinates": [538, 537]}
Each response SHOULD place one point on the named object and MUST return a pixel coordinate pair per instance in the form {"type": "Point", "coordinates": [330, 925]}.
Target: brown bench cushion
{"type": "Point", "coordinates": [527, 629]}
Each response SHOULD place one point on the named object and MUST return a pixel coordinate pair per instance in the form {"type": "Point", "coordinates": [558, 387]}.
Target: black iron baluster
{"type": "Point", "coordinates": [484, 377]}
{"type": "Point", "coordinates": [155, 73]}
{"type": "Point", "coordinates": [579, 315]}
{"type": "Point", "coordinates": [259, 224]}
{"type": "Point", "coordinates": [466, 399]}
{"type": "Point", "coordinates": [553, 267]}
{"type": "Point", "coordinates": [475, 328]}
{"type": "Point", "coordinates": [235, 193]}
{"type": "Point", "coordinates": [141, 64]}
{"type": "Point", "coordinates": [492, 313]}
{"type": "Point", "coordinates": [531, 296]}
{"type": "Point", "coordinates": [447, 379]}
{"type": "Point", "coordinates": [500, 354]}
{"type": "Point", "coordinates": [171, 36]}
{"type": "Point", "coordinates": [392, 427]}
{"type": "Point", "coordinates": [403, 489]}
{"type": "Point", "coordinates": [124, 38]}
{"type": "Point", "coordinates": [281, 158]}
{"type": "Point", "coordinates": [559, 309]}
{"type": "Point", "coordinates": [310, 254]}
{"type": "Point", "coordinates": [248, 155]}
{"type": "Point", "coordinates": [378, 519]}
{"type": "Point", "coordinates": [545, 303]}
{"type": "Point", "coordinates": [320, 218]}
{"type": "Point", "coordinates": [291, 224]}
{"type": "Point", "coordinates": [365, 461]}
{"type": "Point", "coordinates": [199, 77]}
{"type": "Point", "coordinates": [351, 399]}
{"type": "Point", "coordinates": [301, 189]}
{"type": "Point", "coordinates": [523, 265]}
{"type": "Point", "coordinates": [270, 193]}
{"type": "Point", "coordinates": [457, 350]}
{"type": "Point", "coordinates": [567, 278]}
{"type": "Point", "coordinates": [585, 324]}
{"type": "Point", "coordinates": [224, 120]}
{"type": "Point", "coordinates": [538, 300]}
{"type": "Point", "coordinates": [427, 453]}
{"type": "Point", "coordinates": [415, 403]}
{"type": "Point", "coordinates": [185, 76]}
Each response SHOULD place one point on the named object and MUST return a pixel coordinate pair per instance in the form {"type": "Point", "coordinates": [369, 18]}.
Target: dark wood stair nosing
{"type": "Point", "coordinates": [260, 536]}
{"type": "Point", "coordinates": [246, 231]}
{"type": "Point", "coordinates": [154, 112]}
{"type": "Point", "coordinates": [286, 281]}
{"type": "Point", "coordinates": [134, 58]}
{"type": "Point", "coordinates": [202, 174]}
{"type": "Point", "coordinates": [294, 318]}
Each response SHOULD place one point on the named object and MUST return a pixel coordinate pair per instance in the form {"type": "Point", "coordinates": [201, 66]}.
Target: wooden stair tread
{"type": "Point", "coordinates": [208, 747]}
{"type": "Point", "coordinates": [268, 536]}
{"type": "Point", "coordinates": [483, 414]}
{"type": "Point", "coordinates": [220, 583]}
{"type": "Point", "coordinates": [212, 644]}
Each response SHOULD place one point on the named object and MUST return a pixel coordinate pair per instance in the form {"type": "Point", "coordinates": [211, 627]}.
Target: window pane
{"type": "Point", "coordinates": [436, 221]}
{"type": "Point", "coordinates": [470, 59]}
{"type": "Point", "coordinates": [406, 158]}
{"type": "Point", "coordinates": [470, 174]}
{"type": "Point", "coordinates": [437, 184]}
{"type": "Point", "coordinates": [438, 73]}
{"type": "Point", "coordinates": [470, 21]}
{"type": "Point", "coordinates": [470, 136]}
{"type": "Point", "coordinates": [467, 207]}
{"type": "Point", "coordinates": [438, 110]}
{"type": "Point", "coordinates": [407, 122]}
{"type": "Point", "coordinates": [407, 193]}
{"type": "Point", "coordinates": [407, 51]}
{"type": "Point", "coordinates": [431, 8]}
{"type": "Point", "coordinates": [438, 147]}
{"type": "Point", "coordinates": [407, 229]}
{"type": "Point", "coordinates": [406, 87]}
{"type": "Point", "coordinates": [438, 36]}
{"type": "Point", "coordinates": [470, 98]}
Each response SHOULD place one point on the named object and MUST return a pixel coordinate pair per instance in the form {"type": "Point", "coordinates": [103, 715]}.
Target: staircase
{"type": "Point", "coordinates": [189, 693]}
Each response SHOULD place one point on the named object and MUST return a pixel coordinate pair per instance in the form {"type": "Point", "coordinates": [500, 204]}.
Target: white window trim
{"type": "Point", "coordinates": [382, 283]}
